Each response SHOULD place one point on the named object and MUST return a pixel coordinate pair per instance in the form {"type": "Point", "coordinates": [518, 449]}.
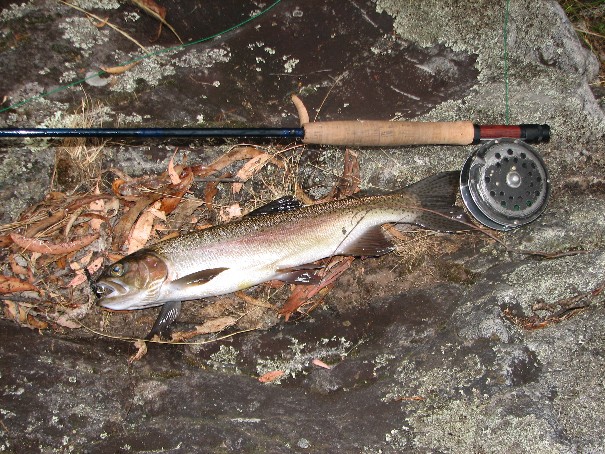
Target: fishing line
{"type": "Point", "coordinates": [141, 58]}
{"type": "Point", "coordinates": [151, 341]}
{"type": "Point", "coordinates": [505, 57]}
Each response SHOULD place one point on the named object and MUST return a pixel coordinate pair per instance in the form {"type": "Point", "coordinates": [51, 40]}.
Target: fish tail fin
{"type": "Point", "coordinates": [437, 197]}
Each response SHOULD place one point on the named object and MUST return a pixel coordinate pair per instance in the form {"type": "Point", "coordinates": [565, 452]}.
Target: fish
{"type": "Point", "coordinates": [279, 241]}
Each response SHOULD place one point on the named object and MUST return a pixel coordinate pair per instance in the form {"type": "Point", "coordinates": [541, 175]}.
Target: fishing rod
{"type": "Point", "coordinates": [368, 133]}
{"type": "Point", "coordinates": [351, 133]}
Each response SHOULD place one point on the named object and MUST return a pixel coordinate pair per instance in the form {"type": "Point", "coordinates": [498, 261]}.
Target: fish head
{"type": "Point", "coordinates": [133, 282]}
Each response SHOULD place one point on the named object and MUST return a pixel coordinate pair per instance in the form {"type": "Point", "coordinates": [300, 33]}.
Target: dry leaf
{"type": "Point", "coordinates": [320, 363]}
{"type": "Point", "coordinates": [271, 376]}
{"type": "Point", "coordinates": [232, 212]}
{"type": "Point", "coordinates": [141, 231]}
{"type": "Point", "coordinates": [249, 169]}
{"type": "Point", "coordinates": [35, 323]}
{"type": "Point", "coordinates": [348, 184]}
{"type": "Point", "coordinates": [303, 293]}
{"type": "Point", "coordinates": [14, 284]}
{"type": "Point", "coordinates": [16, 268]}
{"type": "Point", "coordinates": [97, 206]}
{"type": "Point", "coordinates": [159, 12]}
{"type": "Point", "coordinates": [115, 70]}
{"type": "Point", "coordinates": [176, 192]}
{"type": "Point", "coordinates": [117, 185]}
{"type": "Point", "coordinates": [210, 192]}
{"type": "Point", "coordinates": [11, 310]}
{"type": "Point", "coordinates": [67, 322]}
{"type": "Point", "coordinates": [92, 269]}
{"type": "Point", "coordinates": [235, 154]}
{"type": "Point", "coordinates": [254, 301]}
{"type": "Point", "coordinates": [124, 225]}
{"type": "Point", "coordinates": [216, 325]}
{"type": "Point", "coordinates": [5, 241]}
{"type": "Point", "coordinates": [45, 223]}
{"type": "Point", "coordinates": [70, 222]}
{"type": "Point", "coordinates": [44, 247]}
{"type": "Point", "coordinates": [80, 264]}
{"type": "Point", "coordinates": [174, 176]}
{"type": "Point", "coordinates": [183, 214]}
{"type": "Point", "coordinates": [141, 345]}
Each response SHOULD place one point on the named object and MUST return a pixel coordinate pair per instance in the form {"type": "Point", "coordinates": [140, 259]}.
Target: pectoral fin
{"type": "Point", "coordinates": [199, 278]}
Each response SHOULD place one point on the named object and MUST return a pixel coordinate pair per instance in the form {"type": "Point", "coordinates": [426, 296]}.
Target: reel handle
{"type": "Point", "coordinates": [396, 133]}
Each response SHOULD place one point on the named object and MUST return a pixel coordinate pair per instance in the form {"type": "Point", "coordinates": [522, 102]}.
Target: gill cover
{"type": "Point", "coordinates": [133, 282]}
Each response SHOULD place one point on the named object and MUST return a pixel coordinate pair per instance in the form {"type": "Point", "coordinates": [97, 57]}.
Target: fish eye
{"type": "Point", "coordinates": [117, 270]}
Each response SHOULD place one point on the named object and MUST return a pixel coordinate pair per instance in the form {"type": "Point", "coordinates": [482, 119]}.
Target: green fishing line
{"type": "Point", "coordinates": [143, 57]}
{"type": "Point", "coordinates": [505, 58]}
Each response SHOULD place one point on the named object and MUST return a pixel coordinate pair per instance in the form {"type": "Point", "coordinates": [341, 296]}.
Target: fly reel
{"type": "Point", "coordinates": [504, 184]}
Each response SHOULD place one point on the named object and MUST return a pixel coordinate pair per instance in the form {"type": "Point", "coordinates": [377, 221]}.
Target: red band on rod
{"type": "Point", "coordinates": [499, 131]}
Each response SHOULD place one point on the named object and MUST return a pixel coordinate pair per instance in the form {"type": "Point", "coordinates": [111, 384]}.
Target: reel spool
{"type": "Point", "coordinates": [504, 184]}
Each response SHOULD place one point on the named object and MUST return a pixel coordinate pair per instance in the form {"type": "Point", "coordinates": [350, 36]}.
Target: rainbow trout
{"type": "Point", "coordinates": [267, 245]}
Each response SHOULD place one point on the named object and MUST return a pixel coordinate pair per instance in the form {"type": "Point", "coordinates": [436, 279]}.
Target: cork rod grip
{"type": "Point", "coordinates": [388, 133]}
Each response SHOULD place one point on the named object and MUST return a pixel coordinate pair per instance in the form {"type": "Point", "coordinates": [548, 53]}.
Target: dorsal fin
{"type": "Point", "coordinates": [281, 205]}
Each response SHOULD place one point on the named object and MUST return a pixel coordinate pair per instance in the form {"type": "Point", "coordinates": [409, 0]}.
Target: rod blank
{"type": "Point", "coordinates": [275, 133]}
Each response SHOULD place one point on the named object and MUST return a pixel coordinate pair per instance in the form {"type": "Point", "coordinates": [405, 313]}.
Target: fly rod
{"type": "Point", "coordinates": [353, 133]}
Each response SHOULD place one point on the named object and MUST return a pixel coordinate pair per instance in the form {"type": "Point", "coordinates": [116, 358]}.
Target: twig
{"type": "Point", "coordinates": [548, 255]}
{"type": "Point", "coordinates": [336, 82]}
{"type": "Point", "coordinates": [569, 308]}
{"type": "Point", "coordinates": [587, 32]}
{"type": "Point", "coordinates": [21, 299]}
{"type": "Point", "coordinates": [120, 31]}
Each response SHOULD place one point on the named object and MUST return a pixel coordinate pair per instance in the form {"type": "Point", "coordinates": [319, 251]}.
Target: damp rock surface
{"type": "Point", "coordinates": [491, 347]}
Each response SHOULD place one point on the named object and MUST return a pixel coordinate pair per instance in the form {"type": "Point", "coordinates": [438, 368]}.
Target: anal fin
{"type": "Point", "coordinates": [371, 243]}
{"type": "Point", "coordinates": [301, 274]}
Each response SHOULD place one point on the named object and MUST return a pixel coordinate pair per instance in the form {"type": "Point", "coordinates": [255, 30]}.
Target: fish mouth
{"type": "Point", "coordinates": [110, 294]}
{"type": "Point", "coordinates": [118, 296]}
